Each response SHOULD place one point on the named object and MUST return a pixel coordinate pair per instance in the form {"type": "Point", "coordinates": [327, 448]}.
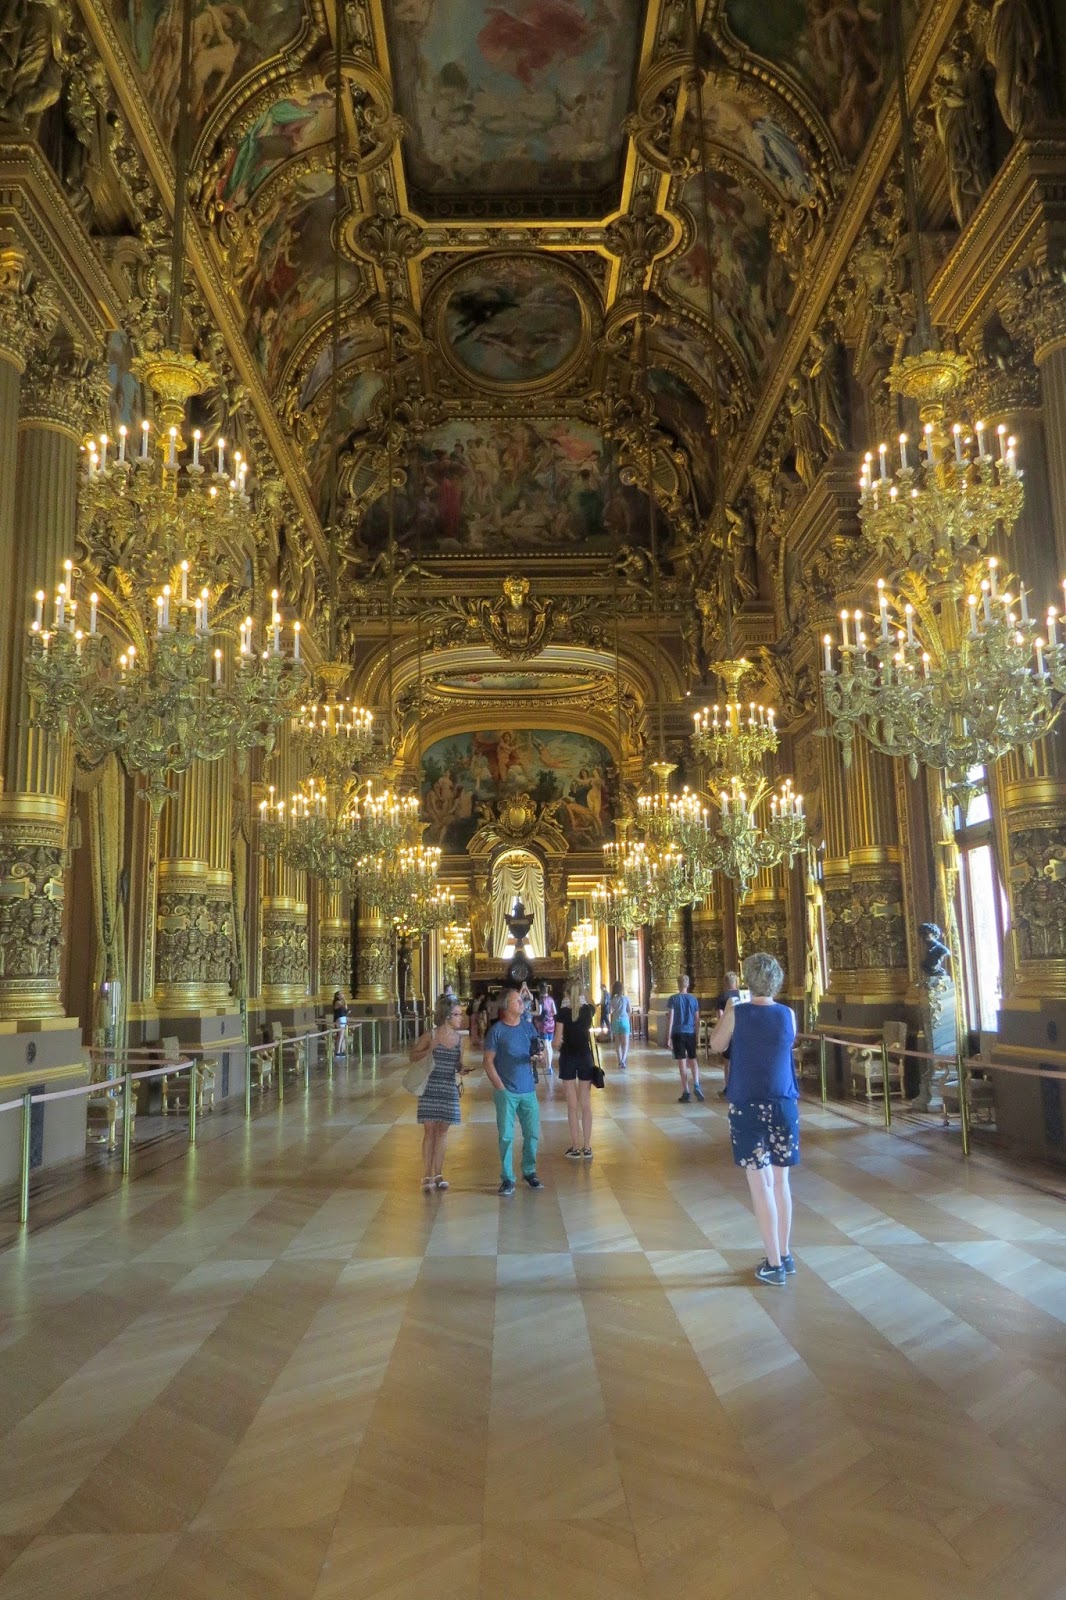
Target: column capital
{"type": "Point", "coordinates": [67, 391]}
{"type": "Point", "coordinates": [1033, 307]}
{"type": "Point", "coordinates": [29, 308]}
{"type": "Point", "coordinates": [1006, 382]}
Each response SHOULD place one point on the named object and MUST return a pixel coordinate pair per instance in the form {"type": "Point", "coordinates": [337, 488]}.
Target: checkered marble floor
{"type": "Point", "coordinates": [276, 1369]}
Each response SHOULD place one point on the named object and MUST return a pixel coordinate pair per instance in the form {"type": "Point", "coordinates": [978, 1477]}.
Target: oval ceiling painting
{"type": "Point", "coordinates": [512, 321]}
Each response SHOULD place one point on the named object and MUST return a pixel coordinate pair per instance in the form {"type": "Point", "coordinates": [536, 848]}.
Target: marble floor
{"type": "Point", "coordinates": [275, 1369]}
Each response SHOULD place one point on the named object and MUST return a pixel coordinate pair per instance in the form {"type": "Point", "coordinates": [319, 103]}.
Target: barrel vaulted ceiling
{"type": "Point", "coordinates": [502, 158]}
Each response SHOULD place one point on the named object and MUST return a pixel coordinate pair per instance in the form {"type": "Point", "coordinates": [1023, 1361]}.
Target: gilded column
{"type": "Point", "coordinates": [373, 959]}
{"type": "Point", "coordinates": [194, 908]}
{"type": "Point", "coordinates": [285, 946]}
{"type": "Point", "coordinates": [708, 959]}
{"type": "Point", "coordinates": [665, 959]}
{"type": "Point", "coordinates": [334, 942]}
{"type": "Point", "coordinates": [38, 769]}
{"type": "Point", "coordinates": [865, 930]}
{"type": "Point", "coordinates": [762, 918]}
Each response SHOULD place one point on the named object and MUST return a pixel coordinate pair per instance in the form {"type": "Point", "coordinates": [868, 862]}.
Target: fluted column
{"type": "Point", "coordinates": [334, 942]}
{"type": "Point", "coordinates": [285, 944]}
{"type": "Point", "coordinates": [373, 959]}
{"type": "Point", "coordinates": [708, 959]}
{"type": "Point", "coordinates": [194, 910]}
{"type": "Point", "coordinates": [38, 767]}
{"type": "Point", "coordinates": [762, 918]}
{"type": "Point", "coordinates": [865, 929]}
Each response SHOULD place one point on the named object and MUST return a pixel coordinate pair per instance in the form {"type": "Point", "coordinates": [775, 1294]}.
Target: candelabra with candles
{"type": "Point", "coordinates": [159, 691]}
{"type": "Point", "coordinates": [734, 738]}
{"type": "Point", "coordinates": [952, 672]}
{"type": "Point", "coordinates": [454, 942]}
{"type": "Point", "coordinates": [334, 832]}
{"type": "Point", "coordinates": [426, 910]}
{"type": "Point", "coordinates": [757, 829]}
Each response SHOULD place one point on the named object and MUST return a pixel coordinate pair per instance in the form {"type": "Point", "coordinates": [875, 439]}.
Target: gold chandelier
{"type": "Point", "coordinates": [160, 689]}
{"type": "Point", "coordinates": [454, 942]}
{"type": "Point", "coordinates": [733, 738]}
{"type": "Point", "coordinates": [401, 881]}
{"type": "Point", "coordinates": [951, 672]}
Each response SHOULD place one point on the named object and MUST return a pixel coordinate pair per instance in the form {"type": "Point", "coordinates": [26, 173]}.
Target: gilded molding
{"type": "Point", "coordinates": [68, 393]}
{"type": "Point", "coordinates": [33, 861]}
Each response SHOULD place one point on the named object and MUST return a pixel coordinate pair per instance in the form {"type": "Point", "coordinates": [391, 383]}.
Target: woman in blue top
{"type": "Point", "coordinates": [763, 1106]}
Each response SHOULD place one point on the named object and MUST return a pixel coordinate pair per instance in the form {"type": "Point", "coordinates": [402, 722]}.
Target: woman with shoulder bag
{"type": "Point", "coordinates": [577, 1069]}
{"type": "Point", "coordinates": [438, 1104]}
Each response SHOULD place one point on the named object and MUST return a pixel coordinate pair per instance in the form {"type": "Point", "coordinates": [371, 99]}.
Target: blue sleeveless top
{"type": "Point", "coordinates": [760, 1062]}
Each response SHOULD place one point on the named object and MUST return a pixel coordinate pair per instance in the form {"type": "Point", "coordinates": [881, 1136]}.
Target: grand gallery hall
{"type": "Point", "coordinates": [532, 799]}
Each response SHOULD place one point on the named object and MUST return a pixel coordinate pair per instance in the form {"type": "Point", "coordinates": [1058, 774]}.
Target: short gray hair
{"type": "Point", "coordinates": [763, 974]}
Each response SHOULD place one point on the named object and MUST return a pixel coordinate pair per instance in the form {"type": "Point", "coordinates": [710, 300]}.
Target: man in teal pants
{"type": "Point", "coordinates": [509, 1044]}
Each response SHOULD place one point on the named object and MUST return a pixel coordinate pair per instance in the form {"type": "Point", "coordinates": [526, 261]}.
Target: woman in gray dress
{"type": "Point", "coordinates": [438, 1104]}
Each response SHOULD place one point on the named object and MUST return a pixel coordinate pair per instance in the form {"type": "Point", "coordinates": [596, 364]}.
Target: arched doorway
{"type": "Point", "coordinates": [517, 875]}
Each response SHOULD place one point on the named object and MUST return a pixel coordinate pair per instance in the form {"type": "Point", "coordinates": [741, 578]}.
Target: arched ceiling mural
{"type": "Point", "coordinates": [513, 169]}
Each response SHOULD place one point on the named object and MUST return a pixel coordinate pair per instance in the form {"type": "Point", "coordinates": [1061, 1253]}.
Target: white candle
{"type": "Point", "coordinates": [144, 441]}
{"type": "Point", "coordinates": [196, 447]}
{"type": "Point", "coordinates": [184, 581]}
{"type": "Point", "coordinates": [221, 456]}
{"type": "Point", "coordinates": [909, 614]}
{"type": "Point", "coordinates": [929, 443]}
{"type": "Point", "coordinates": [39, 613]}
{"type": "Point", "coordinates": [882, 451]}
{"type": "Point", "coordinates": [980, 428]}
{"type": "Point", "coordinates": [122, 444]}
{"type": "Point", "coordinates": [882, 601]}
{"type": "Point", "coordinates": [844, 628]}
{"type": "Point", "coordinates": [986, 600]}
{"type": "Point", "coordinates": [61, 605]}
{"type": "Point", "coordinates": [972, 603]}
{"type": "Point", "coordinates": [172, 450]}
{"type": "Point", "coordinates": [957, 431]}
{"type": "Point", "coordinates": [205, 596]}
{"type": "Point", "coordinates": [799, 805]}
{"type": "Point", "coordinates": [158, 615]}
{"type": "Point", "coordinates": [218, 666]}
{"type": "Point", "coordinates": [1012, 459]}
{"type": "Point", "coordinates": [104, 442]}
{"type": "Point", "coordinates": [277, 632]}
{"type": "Point", "coordinates": [1052, 627]}
{"type": "Point", "coordinates": [725, 804]}
{"type": "Point", "coordinates": [1025, 606]}
{"type": "Point", "coordinates": [1002, 433]}
{"type": "Point", "coordinates": [78, 637]}
{"type": "Point", "coordinates": [296, 641]}
{"type": "Point", "coordinates": [199, 614]}
{"type": "Point", "coordinates": [94, 601]}
{"type": "Point", "coordinates": [925, 663]}
{"type": "Point", "coordinates": [1039, 646]}
{"type": "Point", "coordinates": [992, 565]}
{"type": "Point", "coordinates": [166, 605]}
{"type": "Point", "coordinates": [828, 648]}
{"type": "Point", "coordinates": [903, 451]}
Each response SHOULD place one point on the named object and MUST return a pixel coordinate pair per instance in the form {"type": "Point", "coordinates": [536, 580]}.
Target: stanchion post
{"type": "Point", "coordinates": [279, 1059]}
{"type": "Point", "coordinates": [247, 1082]}
{"type": "Point", "coordinates": [964, 1110]}
{"type": "Point", "coordinates": [362, 1025]}
{"type": "Point", "coordinates": [194, 1089]}
{"type": "Point", "coordinates": [307, 1063]}
{"type": "Point", "coordinates": [127, 1122]}
{"type": "Point", "coordinates": [376, 1026]}
{"type": "Point", "coordinates": [884, 1080]}
{"type": "Point", "coordinates": [822, 1067]}
{"type": "Point", "coordinates": [24, 1166]}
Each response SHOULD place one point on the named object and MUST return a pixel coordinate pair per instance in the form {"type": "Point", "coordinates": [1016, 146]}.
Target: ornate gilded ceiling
{"type": "Point", "coordinates": [510, 172]}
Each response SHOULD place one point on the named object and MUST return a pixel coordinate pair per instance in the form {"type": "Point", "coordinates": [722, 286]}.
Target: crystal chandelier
{"type": "Point", "coordinates": [159, 688]}
{"type": "Point", "coordinates": [733, 738]}
{"type": "Point", "coordinates": [454, 942]}
{"type": "Point", "coordinates": [433, 908]}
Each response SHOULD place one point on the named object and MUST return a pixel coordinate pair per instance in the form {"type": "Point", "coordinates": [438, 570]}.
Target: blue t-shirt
{"type": "Point", "coordinates": [760, 1063]}
{"type": "Point", "coordinates": [512, 1046]}
{"type": "Point", "coordinates": [686, 1009]}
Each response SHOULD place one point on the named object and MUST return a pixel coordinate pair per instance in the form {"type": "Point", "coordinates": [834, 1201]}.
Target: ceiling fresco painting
{"type": "Point", "coordinates": [228, 40]}
{"type": "Point", "coordinates": [465, 777]}
{"type": "Point", "coordinates": [493, 683]}
{"type": "Point", "coordinates": [752, 285]}
{"type": "Point", "coordinates": [683, 414]}
{"type": "Point", "coordinates": [511, 320]}
{"type": "Point", "coordinates": [358, 343]}
{"type": "Point", "coordinates": [836, 48]}
{"type": "Point", "coordinates": [286, 290]}
{"type": "Point", "coordinates": [525, 97]}
{"type": "Point", "coordinates": [285, 129]}
{"type": "Point", "coordinates": [738, 123]}
{"type": "Point", "coordinates": [355, 398]}
{"type": "Point", "coordinates": [509, 485]}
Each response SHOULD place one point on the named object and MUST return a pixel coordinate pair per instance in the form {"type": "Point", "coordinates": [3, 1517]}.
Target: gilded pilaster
{"type": "Point", "coordinates": [762, 919]}
{"type": "Point", "coordinates": [1035, 309]}
{"type": "Point", "coordinates": [285, 942]}
{"type": "Point", "coordinates": [865, 930]}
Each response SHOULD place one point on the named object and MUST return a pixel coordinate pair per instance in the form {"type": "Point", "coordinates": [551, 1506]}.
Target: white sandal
{"type": "Point", "coordinates": [428, 1185]}
{"type": "Point", "coordinates": [441, 1182]}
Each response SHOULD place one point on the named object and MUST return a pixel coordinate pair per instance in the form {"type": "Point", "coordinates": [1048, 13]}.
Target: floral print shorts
{"type": "Point", "coordinates": [765, 1133]}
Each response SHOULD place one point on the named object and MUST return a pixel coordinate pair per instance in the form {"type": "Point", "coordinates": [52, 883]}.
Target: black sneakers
{"type": "Point", "coordinates": [506, 1188]}
{"type": "Point", "coordinates": [789, 1266]}
{"type": "Point", "coordinates": [683, 1099]}
{"type": "Point", "coordinates": [573, 1153]}
{"type": "Point", "coordinates": [768, 1274]}
{"type": "Point", "coordinates": [532, 1179]}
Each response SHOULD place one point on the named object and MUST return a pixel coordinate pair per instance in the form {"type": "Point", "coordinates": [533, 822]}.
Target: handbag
{"type": "Point", "coordinates": [417, 1076]}
{"type": "Point", "coordinates": [599, 1080]}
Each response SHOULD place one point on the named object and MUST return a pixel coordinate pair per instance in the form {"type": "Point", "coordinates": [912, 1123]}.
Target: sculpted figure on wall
{"type": "Point", "coordinates": [1017, 48]}
{"type": "Point", "coordinates": [957, 95]}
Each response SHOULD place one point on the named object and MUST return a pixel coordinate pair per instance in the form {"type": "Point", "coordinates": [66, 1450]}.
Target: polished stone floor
{"type": "Point", "coordinates": [275, 1369]}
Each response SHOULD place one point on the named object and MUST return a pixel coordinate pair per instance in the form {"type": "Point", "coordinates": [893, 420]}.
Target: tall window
{"type": "Point", "coordinates": [983, 906]}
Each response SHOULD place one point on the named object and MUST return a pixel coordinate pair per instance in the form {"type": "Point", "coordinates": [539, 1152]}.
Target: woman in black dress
{"type": "Point", "coordinates": [340, 1023]}
{"type": "Point", "coordinates": [576, 1064]}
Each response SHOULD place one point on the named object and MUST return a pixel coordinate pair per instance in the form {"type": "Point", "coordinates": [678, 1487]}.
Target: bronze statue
{"type": "Point", "coordinates": [936, 951]}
